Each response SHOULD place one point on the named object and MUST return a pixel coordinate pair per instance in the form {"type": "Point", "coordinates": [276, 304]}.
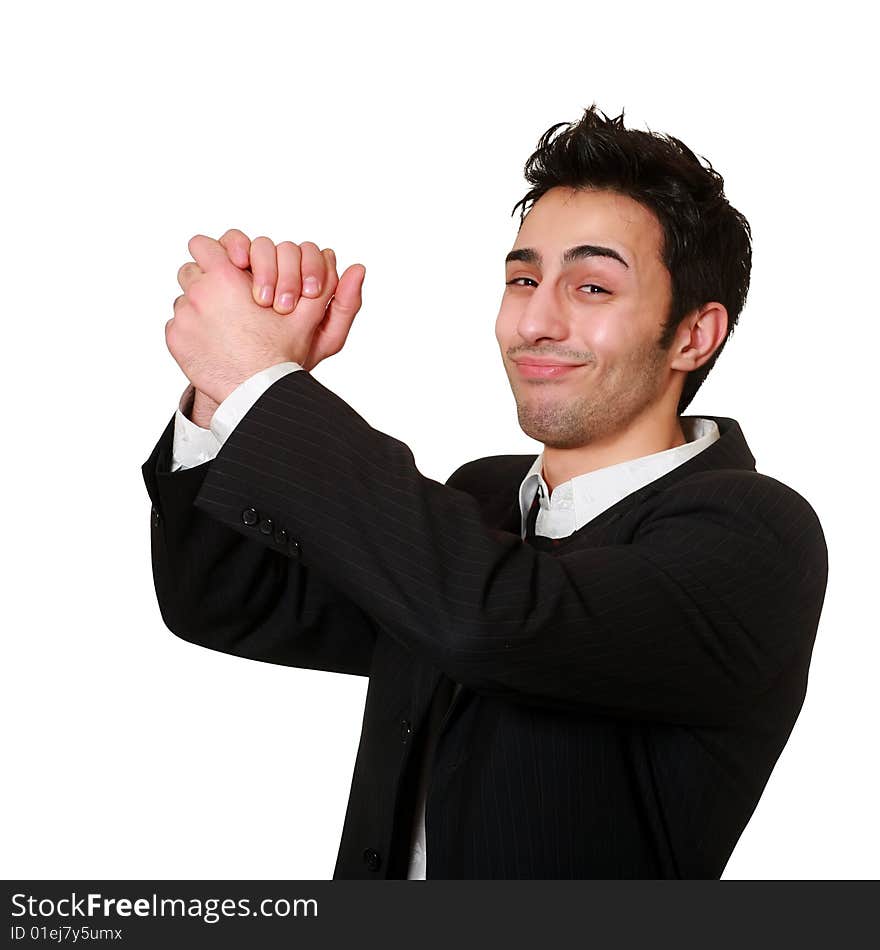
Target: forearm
{"type": "Point", "coordinates": [202, 425]}
{"type": "Point", "coordinates": [232, 594]}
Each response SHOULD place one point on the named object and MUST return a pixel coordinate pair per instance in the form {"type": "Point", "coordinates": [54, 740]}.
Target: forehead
{"type": "Point", "coordinates": [563, 217]}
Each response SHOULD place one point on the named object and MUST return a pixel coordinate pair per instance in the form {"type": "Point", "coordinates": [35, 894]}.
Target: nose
{"type": "Point", "coordinates": [542, 317]}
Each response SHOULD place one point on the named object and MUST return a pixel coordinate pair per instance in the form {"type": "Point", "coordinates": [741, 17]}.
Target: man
{"type": "Point", "coordinates": [582, 665]}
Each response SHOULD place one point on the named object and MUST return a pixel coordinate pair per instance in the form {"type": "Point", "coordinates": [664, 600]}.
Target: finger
{"type": "Point", "coordinates": [289, 287]}
{"type": "Point", "coordinates": [331, 277]}
{"type": "Point", "coordinates": [180, 302]}
{"type": "Point", "coordinates": [265, 269]}
{"type": "Point", "coordinates": [310, 311]}
{"type": "Point", "coordinates": [331, 334]}
{"type": "Point", "coordinates": [238, 247]}
{"type": "Point", "coordinates": [188, 274]}
{"type": "Point", "coordinates": [208, 253]}
{"type": "Point", "coordinates": [313, 270]}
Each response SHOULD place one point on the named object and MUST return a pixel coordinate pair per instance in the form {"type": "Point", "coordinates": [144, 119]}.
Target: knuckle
{"type": "Point", "coordinates": [194, 291]}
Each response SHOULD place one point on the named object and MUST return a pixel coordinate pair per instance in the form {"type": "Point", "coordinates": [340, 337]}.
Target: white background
{"type": "Point", "coordinates": [396, 135]}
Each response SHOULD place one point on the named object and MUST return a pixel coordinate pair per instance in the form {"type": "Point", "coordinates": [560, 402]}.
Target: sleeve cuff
{"type": "Point", "coordinates": [192, 444]}
{"type": "Point", "coordinates": [235, 406]}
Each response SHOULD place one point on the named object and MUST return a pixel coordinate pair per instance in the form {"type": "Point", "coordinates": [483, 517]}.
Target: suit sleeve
{"type": "Point", "coordinates": [193, 444]}
{"type": "Point", "coordinates": [718, 591]}
{"type": "Point", "coordinates": [246, 596]}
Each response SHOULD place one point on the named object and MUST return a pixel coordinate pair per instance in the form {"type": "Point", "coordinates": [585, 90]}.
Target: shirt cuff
{"type": "Point", "coordinates": [192, 444]}
{"type": "Point", "coordinates": [235, 406]}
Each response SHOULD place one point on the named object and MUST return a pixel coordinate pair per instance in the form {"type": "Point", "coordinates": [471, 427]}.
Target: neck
{"type": "Point", "coordinates": [644, 436]}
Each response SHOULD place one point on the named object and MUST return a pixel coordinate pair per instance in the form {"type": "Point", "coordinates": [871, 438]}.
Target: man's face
{"type": "Point", "coordinates": [594, 311]}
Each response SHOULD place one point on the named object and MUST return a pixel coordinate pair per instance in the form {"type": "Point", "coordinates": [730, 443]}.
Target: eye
{"type": "Point", "coordinates": [597, 287]}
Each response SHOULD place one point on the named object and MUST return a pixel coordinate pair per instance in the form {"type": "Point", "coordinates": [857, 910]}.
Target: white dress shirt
{"type": "Point", "coordinates": [570, 506]}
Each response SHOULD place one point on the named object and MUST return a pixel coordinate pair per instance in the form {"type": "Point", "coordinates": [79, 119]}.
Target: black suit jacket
{"type": "Point", "coordinates": [626, 690]}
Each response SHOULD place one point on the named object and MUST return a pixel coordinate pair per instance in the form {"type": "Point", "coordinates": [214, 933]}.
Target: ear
{"type": "Point", "coordinates": [698, 336]}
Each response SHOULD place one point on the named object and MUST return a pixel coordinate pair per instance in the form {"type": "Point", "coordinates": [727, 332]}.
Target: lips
{"type": "Point", "coordinates": [544, 369]}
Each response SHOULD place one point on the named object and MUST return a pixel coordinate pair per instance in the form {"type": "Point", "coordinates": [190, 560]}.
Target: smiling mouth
{"type": "Point", "coordinates": [537, 361]}
{"type": "Point", "coordinates": [537, 370]}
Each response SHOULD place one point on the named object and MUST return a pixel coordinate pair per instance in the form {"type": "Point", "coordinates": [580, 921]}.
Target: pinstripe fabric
{"type": "Point", "coordinates": [625, 692]}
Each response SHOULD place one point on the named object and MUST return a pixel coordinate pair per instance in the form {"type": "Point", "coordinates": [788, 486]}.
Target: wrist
{"type": "Point", "coordinates": [220, 389]}
{"type": "Point", "coordinates": [203, 409]}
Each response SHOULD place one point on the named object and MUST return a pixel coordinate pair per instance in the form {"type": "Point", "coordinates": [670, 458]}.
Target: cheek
{"type": "Point", "coordinates": [621, 322]}
{"type": "Point", "coordinates": [606, 335]}
{"type": "Point", "coordinates": [505, 326]}
{"type": "Point", "coordinates": [609, 338]}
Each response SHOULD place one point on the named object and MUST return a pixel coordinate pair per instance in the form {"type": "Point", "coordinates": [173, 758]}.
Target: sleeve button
{"type": "Point", "coordinates": [372, 859]}
{"type": "Point", "coordinates": [294, 548]}
{"type": "Point", "coordinates": [280, 536]}
{"type": "Point", "coordinates": [266, 526]}
{"type": "Point", "coordinates": [249, 516]}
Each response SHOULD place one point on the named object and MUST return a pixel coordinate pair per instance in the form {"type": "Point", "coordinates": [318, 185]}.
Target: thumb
{"type": "Point", "coordinates": [208, 253]}
{"type": "Point", "coordinates": [332, 332]}
{"type": "Point", "coordinates": [348, 296]}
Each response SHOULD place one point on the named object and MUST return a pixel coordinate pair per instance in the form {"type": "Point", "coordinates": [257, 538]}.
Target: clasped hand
{"type": "Point", "coordinates": [247, 305]}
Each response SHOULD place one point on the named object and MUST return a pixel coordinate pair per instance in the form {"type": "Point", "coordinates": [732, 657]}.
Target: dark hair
{"type": "Point", "coordinates": [706, 242]}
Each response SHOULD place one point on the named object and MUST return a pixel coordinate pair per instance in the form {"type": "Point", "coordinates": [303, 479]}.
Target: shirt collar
{"type": "Point", "coordinates": [582, 498]}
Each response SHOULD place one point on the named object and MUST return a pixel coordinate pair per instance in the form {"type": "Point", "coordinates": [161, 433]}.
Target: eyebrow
{"type": "Point", "coordinates": [531, 256]}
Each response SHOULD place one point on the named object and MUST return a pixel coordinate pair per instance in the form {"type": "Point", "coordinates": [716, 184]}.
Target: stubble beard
{"type": "Point", "coordinates": [606, 406]}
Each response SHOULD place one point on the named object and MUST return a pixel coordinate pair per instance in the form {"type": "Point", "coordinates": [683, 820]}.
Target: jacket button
{"type": "Point", "coordinates": [405, 729]}
{"type": "Point", "coordinates": [266, 526]}
{"type": "Point", "coordinates": [372, 859]}
{"type": "Point", "coordinates": [155, 519]}
{"type": "Point", "coordinates": [250, 516]}
{"type": "Point", "coordinates": [280, 536]}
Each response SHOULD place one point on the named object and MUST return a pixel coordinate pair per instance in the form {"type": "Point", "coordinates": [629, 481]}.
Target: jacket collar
{"type": "Point", "coordinates": [729, 451]}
